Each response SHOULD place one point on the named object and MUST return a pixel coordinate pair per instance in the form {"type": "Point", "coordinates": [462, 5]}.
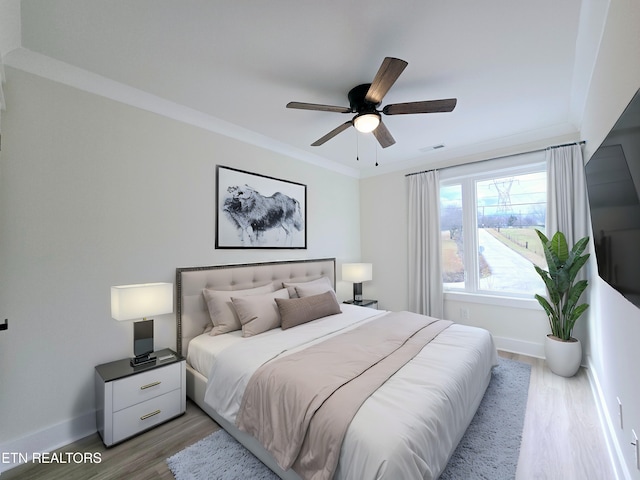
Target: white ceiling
{"type": "Point", "coordinates": [517, 67]}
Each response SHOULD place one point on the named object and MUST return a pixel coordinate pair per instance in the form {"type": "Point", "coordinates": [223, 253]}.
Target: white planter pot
{"type": "Point", "coordinates": [563, 358]}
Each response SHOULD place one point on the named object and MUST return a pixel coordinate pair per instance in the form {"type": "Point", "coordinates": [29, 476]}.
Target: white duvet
{"type": "Point", "coordinates": [407, 429]}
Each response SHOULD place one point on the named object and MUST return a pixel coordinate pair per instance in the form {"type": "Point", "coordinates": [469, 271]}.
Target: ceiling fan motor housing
{"type": "Point", "coordinates": [357, 100]}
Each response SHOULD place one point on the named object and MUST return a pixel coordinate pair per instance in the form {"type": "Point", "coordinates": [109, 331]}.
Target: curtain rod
{"type": "Point", "coordinates": [581, 142]}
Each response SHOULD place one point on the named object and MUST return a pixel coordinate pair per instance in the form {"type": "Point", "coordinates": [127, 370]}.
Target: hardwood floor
{"type": "Point", "coordinates": [141, 458]}
{"type": "Point", "coordinates": [562, 439]}
{"type": "Point", "coordinates": [562, 436]}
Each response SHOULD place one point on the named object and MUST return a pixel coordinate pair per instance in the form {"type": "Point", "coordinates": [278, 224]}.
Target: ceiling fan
{"type": "Point", "coordinates": [365, 99]}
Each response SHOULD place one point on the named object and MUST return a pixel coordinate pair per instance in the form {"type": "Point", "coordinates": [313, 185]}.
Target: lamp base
{"type": "Point", "coordinates": [142, 360]}
{"type": "Point", "coordinates": [357, 292]}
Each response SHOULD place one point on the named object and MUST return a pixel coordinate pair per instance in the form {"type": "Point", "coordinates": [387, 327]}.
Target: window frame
{"type": "Point", "coordinates": [468, 176]}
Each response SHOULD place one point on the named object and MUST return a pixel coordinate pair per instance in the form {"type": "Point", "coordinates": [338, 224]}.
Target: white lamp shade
{"type": "Point", "coordinates": [357, 272]}
{"type": "Point", "coordinates": [129, 302]}
{"type": "Point", "coordinates": [366, 122]}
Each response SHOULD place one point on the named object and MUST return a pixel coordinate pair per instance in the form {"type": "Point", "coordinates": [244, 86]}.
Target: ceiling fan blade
{"type": "Point", "coordinates": [429, 106]}
{"type": "Point", "coordinates": [316, 106]}
{"type": "Point", "coordinates": [332, 134]}
{"type": "Point", "coordinates": [383, 135]}
{"type": "Point", "coordinates": [387, 75]}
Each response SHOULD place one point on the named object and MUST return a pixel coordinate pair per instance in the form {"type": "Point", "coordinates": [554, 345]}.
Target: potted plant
{"type": "Point", "coordinates": [563, 352]}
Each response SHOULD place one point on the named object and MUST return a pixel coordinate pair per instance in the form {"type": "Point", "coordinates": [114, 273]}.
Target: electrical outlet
{"type": "Point", "coordinates": [464, 313]}
{"type": "Point", "coordinates": [620, 417]}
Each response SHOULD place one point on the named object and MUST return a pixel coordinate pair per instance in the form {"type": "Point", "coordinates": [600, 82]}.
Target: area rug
{"type": "Point", "coordinates": [488, 450]}
{"type": "Point", "coordinates": [490, 447]}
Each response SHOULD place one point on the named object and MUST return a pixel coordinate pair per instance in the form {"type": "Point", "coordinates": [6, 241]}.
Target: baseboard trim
{"type": "Point", "coordinates": [511, 345]}
{"type": "Point", "coordinates": [608, 428]}
{"type": "Point", "coordinates": [16, 452]}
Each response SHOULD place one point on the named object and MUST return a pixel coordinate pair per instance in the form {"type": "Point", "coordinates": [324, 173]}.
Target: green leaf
{"type": "Point", "coordinates": [545, 304]}
{"type": "Point", "coordinates": [571, 321]}
{"type": "Point", "coordinates": [542, 237]}
{"type": "Point", "coordinates": [552, 259]}
{"type": "Point", "coordinates": [549, 283]}
{"type": "Point", "coordinates": [574, 294]}
{"type": "Point", "coordinates": [563, 284]}
{"type": "Point", "coordinates": [571, 300]}
{"type": "Point", "coordinates": [576, 266]}
{"type": "Point", "coordinates": [559, 246]}
{"type": "Point", "coordinates": [579, 310]}
{"type": "Point", "coordinates": [580, 246]}
{"type": "Point", "coordinates": [551, 314]}
{"type": "Point", "coordinates": [543, 273]}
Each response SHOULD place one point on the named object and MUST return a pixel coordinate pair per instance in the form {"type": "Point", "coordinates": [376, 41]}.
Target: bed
{"type": "Point", "coordinates": [406, 427]}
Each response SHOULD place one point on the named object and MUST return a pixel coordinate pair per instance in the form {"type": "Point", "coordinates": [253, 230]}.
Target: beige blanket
{"type": "Point", "coordinates": [300, 406]}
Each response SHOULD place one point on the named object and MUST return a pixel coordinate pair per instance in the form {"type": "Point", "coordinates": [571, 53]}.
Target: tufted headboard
{"type": "Point", "coordinates": [192, 315]}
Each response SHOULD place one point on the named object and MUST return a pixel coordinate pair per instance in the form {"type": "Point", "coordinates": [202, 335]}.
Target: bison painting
{"type": "Point", "coordinates": [253, 215]}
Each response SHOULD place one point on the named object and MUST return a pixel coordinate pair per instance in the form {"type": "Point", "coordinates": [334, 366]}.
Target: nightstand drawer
{"type": "Point", "coordinates": [143, 386]}
{"type": "Point", "coordinates": [135, 419]}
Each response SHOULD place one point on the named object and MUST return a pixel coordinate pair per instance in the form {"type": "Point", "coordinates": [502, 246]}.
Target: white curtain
{"type": "Point", "coordinates": [567, 205]}
{"type": "Point", "coordinates": [425, 277]}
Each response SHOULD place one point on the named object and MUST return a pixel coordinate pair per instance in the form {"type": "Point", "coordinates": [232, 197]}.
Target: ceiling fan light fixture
{"type": "Point", "coordinates": [366, 122]}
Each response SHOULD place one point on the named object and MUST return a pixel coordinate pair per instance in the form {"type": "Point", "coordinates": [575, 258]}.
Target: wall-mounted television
{"type": "Point", "coordinates": [613, 186]}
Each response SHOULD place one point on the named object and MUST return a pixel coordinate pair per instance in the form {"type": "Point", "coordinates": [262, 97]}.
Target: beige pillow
{"type": "Point", "coordinates": [296, 311]}
{"type": "Point", "coordinates": [258, 313]}
{"type": "Point", "coordinates": [314, 287]}
{"type": "Point", "coordinates": [221, 311]}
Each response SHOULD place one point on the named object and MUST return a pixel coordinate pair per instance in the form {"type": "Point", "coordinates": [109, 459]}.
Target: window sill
{"type": "Point", "coordinates": [499, 300]}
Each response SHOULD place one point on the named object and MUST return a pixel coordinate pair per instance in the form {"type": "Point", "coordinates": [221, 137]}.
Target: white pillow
{"type": "Point", "coordinates": [258, 313]}
{"type": "Point", "coordinates": [221, 311]}
{"type": "Point", "coordinates": [314, 287]}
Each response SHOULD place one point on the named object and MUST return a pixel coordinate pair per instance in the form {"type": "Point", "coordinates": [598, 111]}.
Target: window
{"type": "Point", "coordinates": [488, 220]}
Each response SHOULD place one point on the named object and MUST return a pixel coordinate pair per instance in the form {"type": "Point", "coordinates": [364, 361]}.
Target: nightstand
{"type": "Point", "coordinates": [363, 303]}
{"type": "Point", "coordinates": [131, 400]}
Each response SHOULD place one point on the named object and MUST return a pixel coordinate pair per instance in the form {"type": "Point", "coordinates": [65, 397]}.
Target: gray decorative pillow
{"type": "Point", "coordinates": [221, 311]}
{"type": "Point", "coordinates": [258, 313]}
{"type": "Point", "coordinates": [296, 311]}
{"type": "Point", "coordinates": [313, 287]}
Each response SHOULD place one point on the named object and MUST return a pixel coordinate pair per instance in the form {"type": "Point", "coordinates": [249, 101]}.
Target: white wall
{"type": "Point", "coordinates": [614, 324]}
{"type": "Point", "coordinates": [95, 193]}
{"type": "Point", "coordinates": [384, 239]}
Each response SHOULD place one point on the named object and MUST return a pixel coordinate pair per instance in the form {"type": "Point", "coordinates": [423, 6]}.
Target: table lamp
{"type": "Point", "coordinates": [357, 273]}
{"type": "Point", "coordinates": [130, 302]}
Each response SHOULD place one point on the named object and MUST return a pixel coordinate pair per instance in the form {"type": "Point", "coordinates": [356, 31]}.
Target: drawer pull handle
{"type": "Point", "coordinates": [149, 385]}
{"type": "Point", "coordinates": [149, 415]}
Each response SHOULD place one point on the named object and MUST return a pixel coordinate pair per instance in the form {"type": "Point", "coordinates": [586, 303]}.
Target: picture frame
{"type": "Point", "coordinates": [259, 211]}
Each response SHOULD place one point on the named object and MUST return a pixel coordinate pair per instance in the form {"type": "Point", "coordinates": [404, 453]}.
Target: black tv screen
{"type": "Point", "coordinates": [613, 186]}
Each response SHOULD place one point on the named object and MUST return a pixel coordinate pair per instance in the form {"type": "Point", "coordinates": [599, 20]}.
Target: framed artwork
{"type": "Point", "coordinates": [257, 211]}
